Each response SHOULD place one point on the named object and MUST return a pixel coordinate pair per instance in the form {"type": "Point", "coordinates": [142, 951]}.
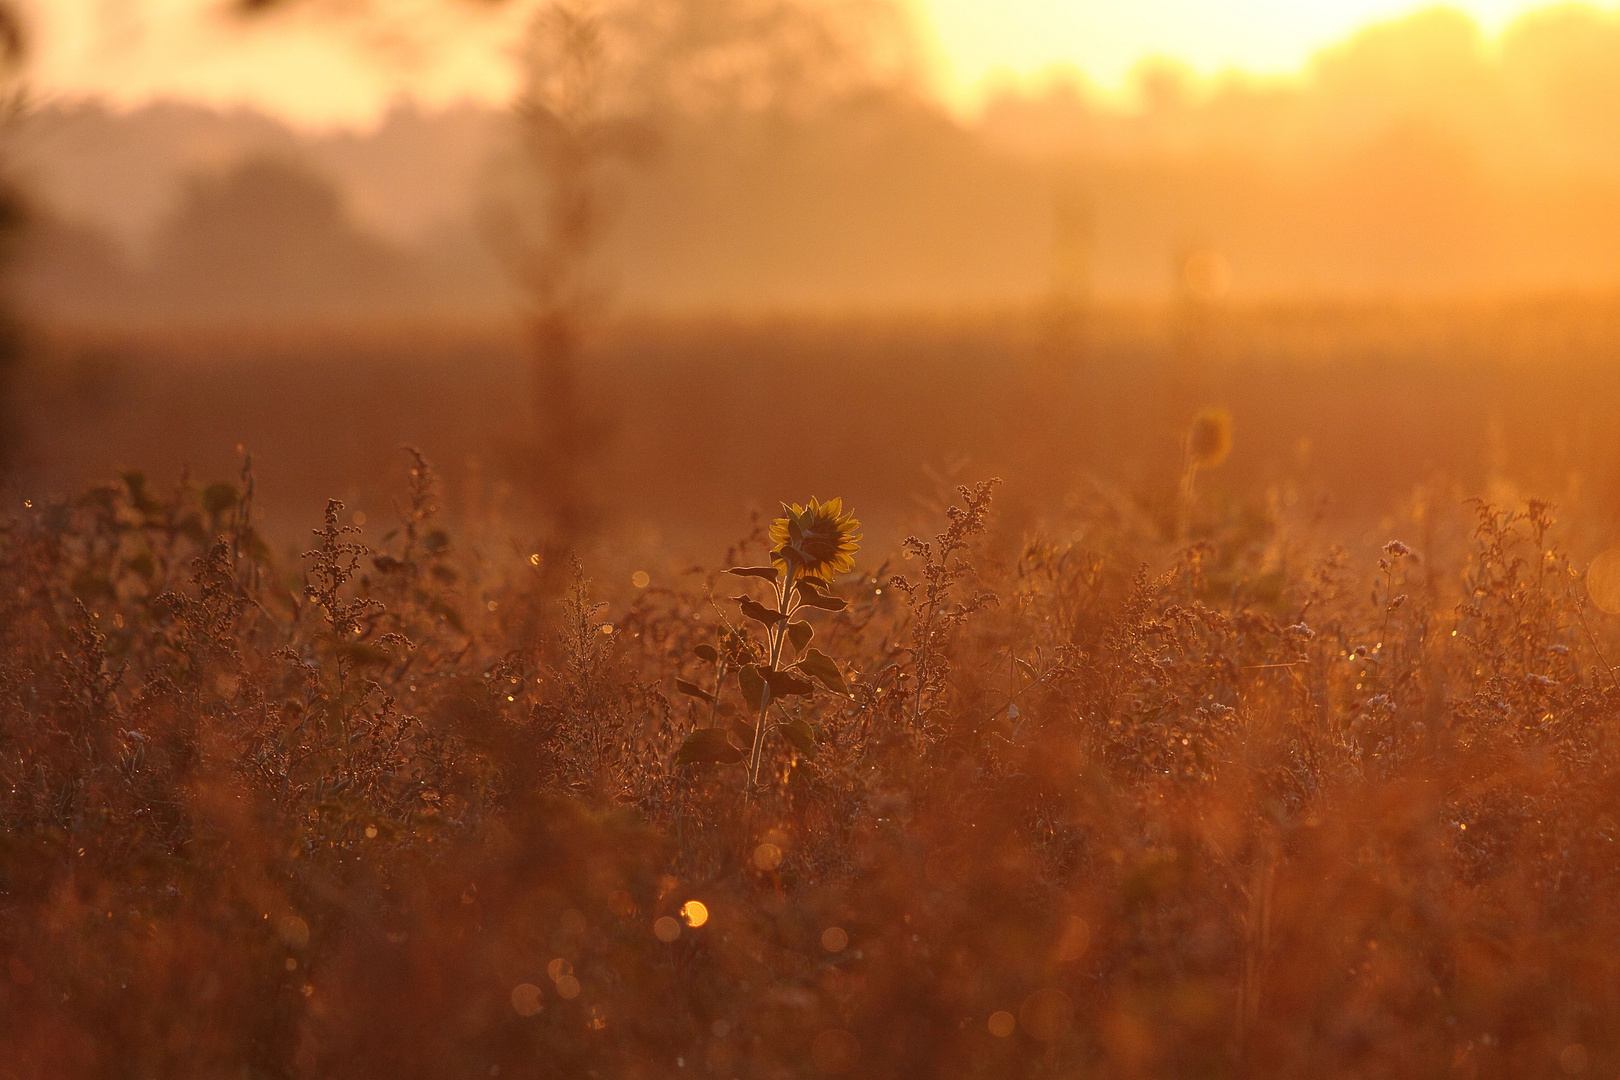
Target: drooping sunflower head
{"type": "Point", "coordinates": [819, 540]}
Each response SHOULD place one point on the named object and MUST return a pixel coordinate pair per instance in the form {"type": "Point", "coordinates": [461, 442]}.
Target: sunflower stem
{"type": "Point", "coordinates": [1189, 478]}
{"type": "Point", "coordinates": [778, 635]}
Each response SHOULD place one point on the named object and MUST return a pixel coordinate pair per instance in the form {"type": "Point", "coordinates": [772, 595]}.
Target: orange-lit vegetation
{"type": "Point", "coordinates": [1223, 702]}
{"type": "Point", "coordinates": [1097, 803]}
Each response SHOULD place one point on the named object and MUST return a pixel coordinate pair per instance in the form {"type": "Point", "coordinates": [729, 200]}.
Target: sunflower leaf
{"type": "Point", "coordinates": [757, 611]}
{"type": "Point", "coordinates": [693, 690]}
{"type": "Point", "coordinates": [708, 745]}
{"type": "Point", "coordinates": [785, 683]}
{"type": "Point", "coordinates": [802, 736]}
{"type": "Point", "coordinates": [769, 573]}
{"type": "Point", "coordinates": [824, 669]}
{"type": "Point", "coordinates": [706, 652]}
{"type": "Point", "coordinates": [799, 634]}
{"type": "Point", "coordinates": [810, 596]}
{"type": "Point", "coordinates": [755, 690]}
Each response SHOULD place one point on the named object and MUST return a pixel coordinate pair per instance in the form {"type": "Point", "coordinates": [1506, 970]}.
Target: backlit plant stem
{"type": "Point", "coordinates": [922, 663]}
{"type": "Point", "coordinates": [787, 605]}
{"type": "Point", "coordinates": [1189, 479]}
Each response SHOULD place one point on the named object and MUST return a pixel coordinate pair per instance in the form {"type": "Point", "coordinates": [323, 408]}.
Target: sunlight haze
{"type": "Point", "coordinates": [991, 40]}
{"type": "Point", "coordinates": [437, 53]}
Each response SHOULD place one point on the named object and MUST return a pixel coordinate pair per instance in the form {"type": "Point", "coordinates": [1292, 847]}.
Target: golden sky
{"type": "Point", "coordinates": [134, 50]}
{"type": "Point", "coordinates": [1106, 38]}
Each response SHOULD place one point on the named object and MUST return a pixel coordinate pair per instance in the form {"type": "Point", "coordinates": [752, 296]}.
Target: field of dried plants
{"type": "Point", "coordinates": [1146, 762]}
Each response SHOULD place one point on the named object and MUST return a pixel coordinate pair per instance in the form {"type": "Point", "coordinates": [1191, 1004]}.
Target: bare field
{"type": "Point", "coordinates": [1352, 406]}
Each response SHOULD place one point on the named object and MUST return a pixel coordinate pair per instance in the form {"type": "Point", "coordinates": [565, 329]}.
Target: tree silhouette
{"type": "Point", "coordinates": [12, 219]}
{"type": "Point", "coordinates": [268, 237]}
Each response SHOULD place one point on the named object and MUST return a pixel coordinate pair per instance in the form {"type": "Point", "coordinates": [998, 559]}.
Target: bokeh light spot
{"type": "Point", "coordinates": [1002, 1024]}
{"type": "Point", "coordinates": [568, 988]}
{"type": "Point", "coordinates": [1603, 581]}
{"type": "Point", "coordinates": [666, 929]}
{"type": "Point", "coordinates": [695, 913]}
{"type": "Point", "coordinates": [558, 968]}
{"type": "Point", "coordinates": [767, 856]}
{"type": "Point", "coordinates": [294, 931]}
{"type": "Point", "coordinates": [834, 939]}
{"type": "Point", "coordinates": [526, 999]}
{"type": "Point", "coordinates": [640, 579]}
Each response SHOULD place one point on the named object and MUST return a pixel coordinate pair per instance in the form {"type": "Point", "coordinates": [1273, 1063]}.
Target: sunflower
{"type": "Point", "coordinates": [816, 541]}
{"type": "Point", "coordinates": [1210, 439]}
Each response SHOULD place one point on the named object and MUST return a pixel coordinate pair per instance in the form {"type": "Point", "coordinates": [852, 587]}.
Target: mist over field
{"type": "Point", "coordinates": [1415, 174]}
{"type": "Point", "coordinates": [1416, 160]}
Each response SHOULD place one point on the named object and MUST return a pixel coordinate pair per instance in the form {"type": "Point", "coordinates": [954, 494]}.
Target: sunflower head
{"type": "Point", "coordinates": [1210, 439]}
{"type": "Point", "coordinates": [818, 540]}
